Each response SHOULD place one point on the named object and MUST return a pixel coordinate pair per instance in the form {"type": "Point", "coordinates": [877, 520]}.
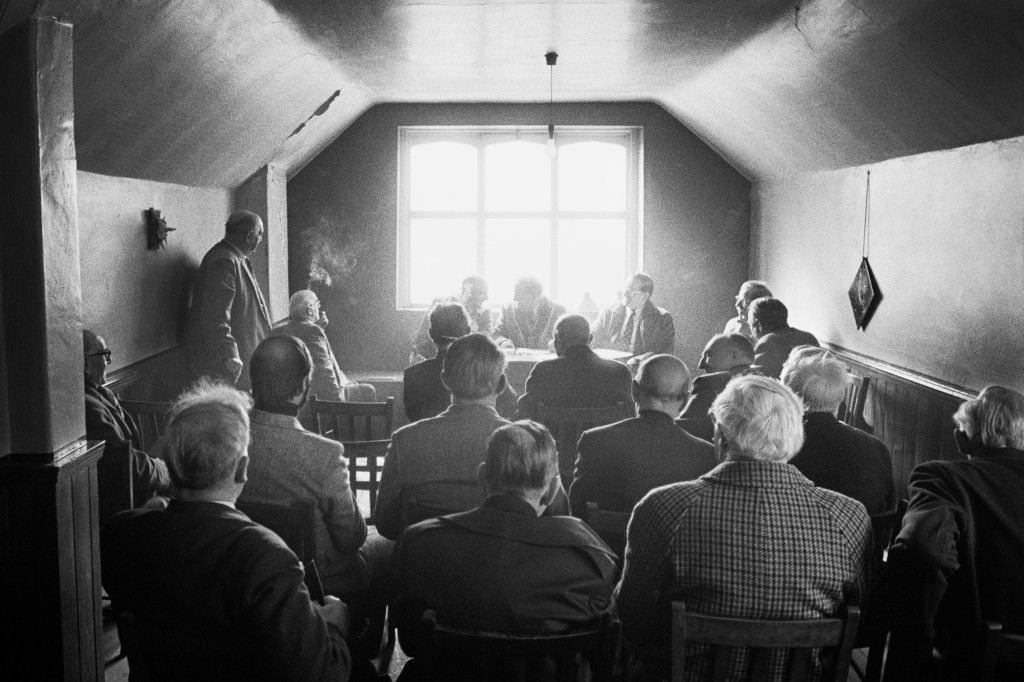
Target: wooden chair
{"type": "Point", "coordinates": [851, 410]}
{"type": "Point", "coordinates": [296, 525]}
{"type": "Point", "coordinates": [496, 657]}
{"type": "Point", "coordinates": [151, 418]}
{"type": "Point", "coordinates": [760, 638]}
{"type": "Point", "coordinates": [353, 421]}
{"type": "Point", "coordinates": [610, 525]}
{"type": "Point", "coordinates": [365, 462]}
{"type": "Point", "coordinates": [999, 651]}
{"type": "Point", "coordinates": [567, 423]}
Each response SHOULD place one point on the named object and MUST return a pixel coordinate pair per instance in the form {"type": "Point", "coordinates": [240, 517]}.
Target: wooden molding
{"type": "Point", "coordinates": [904, 374]}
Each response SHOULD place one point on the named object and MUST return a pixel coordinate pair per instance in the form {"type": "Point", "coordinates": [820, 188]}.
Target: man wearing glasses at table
{"type": "Point", "coordinates": [635, 325]}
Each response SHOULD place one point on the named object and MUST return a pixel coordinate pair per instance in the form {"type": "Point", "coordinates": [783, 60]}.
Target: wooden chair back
{"type": "Point", "coordinates": [851, 410]}
{"type": "Point", "coordinates": [1002, 654]}
{"type": "Point", "coordinates": [150, 417]}
{"type": "Point", "coordinates": [567, 423]}
{"type": "Point", "coordinates": [760, 639]}
{"type": "Point", "coordinates": [296, 525]}
{"type": "Point", "coordinates": [353, 421]}
{"type": "Point", "coordinates": [610, 525]}
{"type": "Point", "coordinates": [496, 657]}
{"type": "Point", "coordinates": [365, 462]}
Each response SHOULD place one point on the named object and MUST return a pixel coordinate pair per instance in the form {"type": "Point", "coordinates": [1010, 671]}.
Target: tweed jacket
{"type": "Point", "coordinates": [502, 568]}
{"type": "Point", "coordinates": [747, 540]}
{"type": "Point", "coordinates": [703, 391]}
{"type": "Point", "coordinates": [529, 331]}
{"type": "Point", "coordinates": [657, 332]}
{"type": "Point", "coordinates": [957, 561]}
{"type": "Point", "coordinates": [228, 317]}
{"type": "Point", "coordinates": [841, 458]}
{"type": "Point", "coordinates": [328, 379]}
{"type": "Point", "coordinates": [217, 597]}
{"type": "Point", "coordinates": [288, 464]}
{"type": "Point", "coordinates": [425, 395]}
{"type": "Point", "coordinates": [772, 349]}
{"type": "Point", "coordinates": [579, 378]}
{"type": "Point", "coordinates": [618, 464]}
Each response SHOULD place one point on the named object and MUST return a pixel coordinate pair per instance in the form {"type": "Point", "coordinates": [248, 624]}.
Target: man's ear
{"type": "Point", "coordinates": [302, 394]}
{"type": "Point", "coordinates": [634, 389]}
{"type": "Point", "coordinates": [721, 444]}
{"type": "Point", "coordinates": [242, 469]}
{"type": "Point", "coordinates": [481, 475]}
{"type": "Point", "coordinates": [552, 490]}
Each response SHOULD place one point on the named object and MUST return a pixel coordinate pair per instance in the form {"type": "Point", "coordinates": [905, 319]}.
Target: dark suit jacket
{"type": "Point", "coordinates": [958, 560]}
{"type": "Point", "coordinates": [216, 597]}
{"type": "Point", "coordinates": [848, 461]}
{"type": "Point", "coordinates": [772, 349]}
{"type": "Point", "coordinates": [424, 395]}
{"type": "Point", "coordinates": [501, 568]}
{"type": "Point", "coordinates": [657, 333]}
{"type": "Point", "coordinates": [228, 317]}
{"type": "Point", "coordinates": [579, 378]}
{"type": "Point", "coordinates": [705, 388]}
{"type": "Point", "coordinates": [619, 463]}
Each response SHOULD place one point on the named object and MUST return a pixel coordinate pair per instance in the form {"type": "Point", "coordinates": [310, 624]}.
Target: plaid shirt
{"type": "Point", "coordinates": [746, 540]}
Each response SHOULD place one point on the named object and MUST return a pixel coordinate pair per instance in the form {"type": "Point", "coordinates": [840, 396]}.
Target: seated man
{"type": "Point", "coordinates": [578, 377]}
{"type": "Point", "coordinates": [423, 392]}
{"type": "Point", "coordinates": [106, 421]}
{"type": "Point", "coordinates": [434, 461]}
{"type": "Point", "coordinates": [214, 595]}
{"type": "Point", "coordinates": [288, 464]}
{"type": "Point", "coordinates": [529, 321]}
{"type": "Point", "coordinates": [726, 356]}
{"type": "Point", "coordinates": [960, 556]}
{"type": "Point", "coordinates": [636, 325]}
{"type": "Point", "coordinates": [769, 321]}
{"type": "Point", "coordinates": [618, 464]}
{"type": "Point", "coordinates": [834, 455]}
{"type": "Point", "coordinates": [503, 567]}
{"type": "Point", "coordinates": [473, 298]}
{"type": "Point", "coordinates": [753, 538]}
{"type": "Point", "coordinates": [750, 291]}
{"type": "Point", "coordinates": [306, 321]}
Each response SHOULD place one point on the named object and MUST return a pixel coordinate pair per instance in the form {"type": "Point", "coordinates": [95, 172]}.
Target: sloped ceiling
{"type": "Point", "coordinates": [205, 92]}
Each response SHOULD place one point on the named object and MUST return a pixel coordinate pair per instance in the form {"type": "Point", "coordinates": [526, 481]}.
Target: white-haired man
{"type": "Point", "coordinates": [503, 566]}
{"type": "Point", "coordinates": [753, 538]}
{"type": "Point", "coordinates": [959, 558]}
{"type": "Point", "coordinates": [214, 595]}
{"type": "Point", "coordinates": [837, 456]}
{"type": "Point", "coordinates": [750, 291]}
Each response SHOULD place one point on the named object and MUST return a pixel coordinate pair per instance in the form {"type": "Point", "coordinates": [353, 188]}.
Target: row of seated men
{"type": "Point", "coordinates": [753, 536]}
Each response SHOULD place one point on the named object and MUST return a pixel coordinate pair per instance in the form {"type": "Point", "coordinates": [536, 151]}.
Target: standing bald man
{"type": "Point", "coordinates": [229, 316]}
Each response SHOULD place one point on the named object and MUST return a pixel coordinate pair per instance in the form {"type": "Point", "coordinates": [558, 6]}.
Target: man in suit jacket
{"type": "Point", "coordinates": [434, 461]}
{"type": "Point", "coordinates": [959, 558]}
{"type": "Point", "coordinates": [106, 421]}
{"type": "Point", "coordinates": [769, 321]}
{"type": "Point", "coordinates": [578, 377]}
{"type": "Point", "coordinates": [503, 566]}
{"type": "Point", "coordinates": [636, 325]}
{"type": "Point", "coordinates": [423, 392]}
{"type": "Point", "coordinates": [529, 321]}
{"type": "Point", "coordinates": [725, 356]}
{"type": "Point", "coordinates": [619, 463]}
{"type": "Point", "coordinates": [214, 595]}
{"type": "Point", "coordinates": [834, 455]}
{"type": "Point", "coordinates": [228, 317]}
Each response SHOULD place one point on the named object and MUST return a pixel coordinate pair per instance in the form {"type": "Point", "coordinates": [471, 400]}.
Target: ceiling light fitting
{"type": "Point", "coordinates": [552, 59]}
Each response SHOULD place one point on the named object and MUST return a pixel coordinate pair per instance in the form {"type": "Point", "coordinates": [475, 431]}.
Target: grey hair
{"type": "Point", "coordinates": [299, 303]}
{"type": "Point", "coordinates": [819, 379]}
{"type": "Point", "coordinates": [761, 418]}
{"type": "Point", "coordinates": [521, 457]}
{"type": "Point", "coordinates": [997, 415]}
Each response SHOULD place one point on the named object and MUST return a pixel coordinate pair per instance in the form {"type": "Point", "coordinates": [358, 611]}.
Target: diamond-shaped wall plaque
{"type": "Point", "coordinates": [864, 294]}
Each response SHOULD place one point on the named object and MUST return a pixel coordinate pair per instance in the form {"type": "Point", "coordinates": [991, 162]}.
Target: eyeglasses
{"type": "Point", "coordinates": [105, 353]}
{"type": "Point", "coordinates": [631, 294]}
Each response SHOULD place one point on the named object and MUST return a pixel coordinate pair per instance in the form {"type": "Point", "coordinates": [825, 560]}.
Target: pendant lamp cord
{"type": "Point", "coordinates": [865, 243]}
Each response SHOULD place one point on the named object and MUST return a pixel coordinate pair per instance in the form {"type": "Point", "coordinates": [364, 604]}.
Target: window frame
{"type": "Point", "coordinates": [480, 136]}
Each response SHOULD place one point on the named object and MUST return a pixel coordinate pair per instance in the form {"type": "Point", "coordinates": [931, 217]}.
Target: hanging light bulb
{"type": "Point", "coordinates": [551, 58]}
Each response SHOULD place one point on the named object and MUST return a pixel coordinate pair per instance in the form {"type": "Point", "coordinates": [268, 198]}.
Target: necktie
{"type": "Point", "coordinates": [627, 339]}
{"type": "Point", "coordinates": [633, 334]}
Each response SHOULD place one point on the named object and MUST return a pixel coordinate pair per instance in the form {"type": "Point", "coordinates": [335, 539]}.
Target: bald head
{"type": "Point", "coordinates": [571, 330]}
{"type": "Point", "coordinates": [662, 384]}
{"type": "Point", "coordinates": [725, 352]}
{"type": "Point", "coordinates": [244, 229]}
{"type": "Point", "coordinates": [280, 370]}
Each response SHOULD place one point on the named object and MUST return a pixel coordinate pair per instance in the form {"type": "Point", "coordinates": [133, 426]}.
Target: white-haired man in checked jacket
{"type": "Point", "coordinates": [752, 538]}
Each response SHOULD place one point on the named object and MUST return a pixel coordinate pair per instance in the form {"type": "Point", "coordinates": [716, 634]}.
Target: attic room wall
{"type": "Point", "coordinates": [344, 203]}
{"type": "Point", "coordinates": [137, 299]}
{"type": "Point", "coordinates": [946, 246]}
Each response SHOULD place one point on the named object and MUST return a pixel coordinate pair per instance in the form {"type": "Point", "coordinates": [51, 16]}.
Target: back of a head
{"type": "Point", "coordinates": [478, 285]}
{"type": "Point", "coordinates": [770, 313]}
{"type": "Point", "coordinates": [521, 457]}
{"type": "Point", "coordinates": [277, 368]}
{"type": "Point", "coordinates": [299, 305]}
{"type": "Point", "coordinates": [739, 343]}
{"type": "Point", "coordinates": [760, 418]}
{"type": "Point", "coordinates": [820, 380]}
{"type": "Point", "coordinates": [663, 378]}
{"type": "Point", "coordinates": [207, 433]}
{"type": "Point", "coordinates": [528, 286]}
{"type": "Point", "coordinates": [448, 321]}
{"type": "Point", "coordinates": [240, 223]}
{"type": "Point", "coordinates": [572, 330]}
{"type": "Point", "coordinates": [996, 416]}
{"type": "Point", "coordinates": [473, 367]}
{"type": "Point", "coordinates": [753, 289]}
{"type": "Point", "coordinates": [644, 282]}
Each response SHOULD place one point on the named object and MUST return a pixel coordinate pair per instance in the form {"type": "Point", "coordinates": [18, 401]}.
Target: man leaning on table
{"type": "Point", "coordinates": [635, 324]}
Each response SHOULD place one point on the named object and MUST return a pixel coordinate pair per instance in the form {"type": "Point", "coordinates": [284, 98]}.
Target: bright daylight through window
{"type": "Point", "coordinates": [490, 201]}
